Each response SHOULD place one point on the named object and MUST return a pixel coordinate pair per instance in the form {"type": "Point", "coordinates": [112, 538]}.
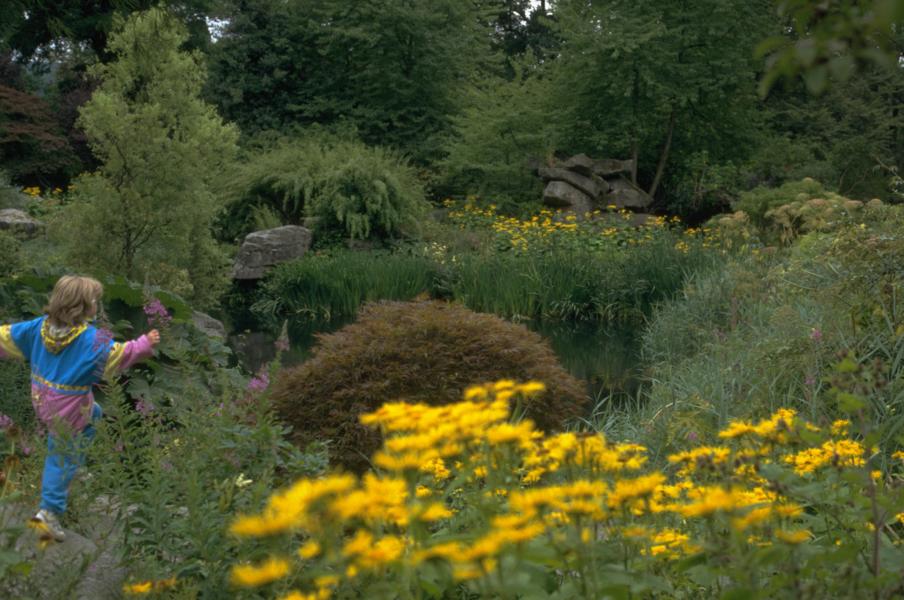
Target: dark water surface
{"type": "Point", "coordinates": [605, 357]}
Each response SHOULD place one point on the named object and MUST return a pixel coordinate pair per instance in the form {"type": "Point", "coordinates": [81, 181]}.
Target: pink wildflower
{"type": "Point", "coordinates": [260, 382]}
{"type": "Point", "coordinates": [156, 313]}
{"type": "Point", "coordinates": [144, 408]}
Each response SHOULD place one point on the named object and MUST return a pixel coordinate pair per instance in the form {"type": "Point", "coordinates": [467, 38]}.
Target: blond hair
{"type": "Point", "coordinates": [74, 300]}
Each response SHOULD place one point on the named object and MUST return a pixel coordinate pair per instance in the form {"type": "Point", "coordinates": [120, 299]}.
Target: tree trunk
{"type": "Point", "coordinates": [664, 156]}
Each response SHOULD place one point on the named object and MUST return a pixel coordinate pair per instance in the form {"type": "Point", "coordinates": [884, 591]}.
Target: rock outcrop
{"type": "Point", "coordinates": [582, 184]}
{"type": "Point", "coordinates": [262, 250]}
{"type": "Point", "coordinates": [19, 223]}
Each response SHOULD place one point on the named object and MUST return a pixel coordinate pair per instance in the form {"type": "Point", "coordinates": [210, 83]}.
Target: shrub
{"type": "Point", "coordinates": [15, 396]}
{"type": "Point", "coordinates": [351, 189]}
{"type": "Point", "coordinates": [421, 352]}
{"type": "Point", "coordinates": [759, 201]}
{"type": "Point", "coordinates": [10, 250]}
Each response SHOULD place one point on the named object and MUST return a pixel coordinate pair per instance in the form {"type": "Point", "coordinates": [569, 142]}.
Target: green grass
{"type": "Point", "coordinates": [573, 284]}
{"type": "Point", "coordinates": [767, 332]}
{"type": "Point", "coordinates": [621, 285]}
{"type": "Point", "coordinates": [330, 287]}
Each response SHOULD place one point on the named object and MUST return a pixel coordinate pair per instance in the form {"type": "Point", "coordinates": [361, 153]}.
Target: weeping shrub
{"type": "Point", "coordinates": [420, 352]}
{"type": "Point", "coordinates": [350, 189]}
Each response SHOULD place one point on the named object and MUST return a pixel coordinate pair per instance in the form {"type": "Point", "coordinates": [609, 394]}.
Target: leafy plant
{"type": "Point", "coordinates": [348, 188]}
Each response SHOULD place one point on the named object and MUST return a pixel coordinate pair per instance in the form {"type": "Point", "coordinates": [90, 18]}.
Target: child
{"type": "Point", "coordinates": [68, 355]}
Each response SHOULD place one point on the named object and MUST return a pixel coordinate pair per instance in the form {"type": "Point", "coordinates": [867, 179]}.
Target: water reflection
{"type": "Point", "coordinates": [606, 358]}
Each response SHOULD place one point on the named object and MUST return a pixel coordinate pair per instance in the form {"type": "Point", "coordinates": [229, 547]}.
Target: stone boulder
{"type": "Point", "coordinates": [625, 194]}
{"type": "Point", "coordinates": [608, 167]}
{"type": "Point", "coordinates": [579, 163]}
{"type": "Point", "coordinates": [208, 325]}
{"type": "Point", "coordinates": [559, 194]}
{"type": "Point", "coordinates": [262, 250]}
{"type": "Point", "coordinates": [592, 186]}
{"type": "Point", "coordinates": [18, 222]}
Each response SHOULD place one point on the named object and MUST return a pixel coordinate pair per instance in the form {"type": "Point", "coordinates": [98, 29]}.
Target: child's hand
{"type": "Point", "coordinates": [154, 337]}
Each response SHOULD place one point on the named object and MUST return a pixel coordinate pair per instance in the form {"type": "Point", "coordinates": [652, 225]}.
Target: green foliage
{"type": "Point", "coordinates": [602, 271]}
{"type": "Point", "coordinates": [10, 196]}
{"type": "Point", "coordinates": [757, 202]}
{"type": "Point", "coordinates": [30, 27]}
{"type": "Point", "coordinates": [573, 284]}
{"type": "Point", "coordinates": [10, 250]}
{"type": "Point", "coordinates": [349, 189]}
{"type": "Point", "coordinates": [831, 40]}
{"type": "Point", "coordinates": [506, 124]}
{"type": "Point", "coordinates": [15, 396]}
{"type": "Point", "coordinates": [333, 287]}
{"type": "Point", "coordinates": [146, 212]}
{"type": "Point", "coordinates": [421, 352]}
{"type": "Point", "coordinates": [400, 63]}
{"type": "Point", "coordinates": [177, 473]}
{"type": "Point", "coordinates": [619, 97]}
{"type": "Point", "coordinates": [762, 332]}
{"type": "Point", "coordinates": [15, 565]}
{"type": "Point", "coordinates": [849, 137]}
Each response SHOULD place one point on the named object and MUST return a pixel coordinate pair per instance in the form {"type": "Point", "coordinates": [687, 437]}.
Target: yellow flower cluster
{"type": "Point", "coordinates": [612, 224]}
{"type": "Point", "coordinates": [510, 487]}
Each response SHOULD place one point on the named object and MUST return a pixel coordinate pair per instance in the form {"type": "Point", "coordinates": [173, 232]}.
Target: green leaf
{"type": "Point", "coordinates": [817, 79]}
{"type": "Point", "coordinates": [850, 403]}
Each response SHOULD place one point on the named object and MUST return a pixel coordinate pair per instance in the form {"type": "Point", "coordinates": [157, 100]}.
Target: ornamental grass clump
{"type": "Point", "coordinates": [422, 352]}
{"type": "Point", "coordinates": [469, 498]}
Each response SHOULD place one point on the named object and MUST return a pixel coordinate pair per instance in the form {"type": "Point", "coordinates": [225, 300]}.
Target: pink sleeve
{"type": "Point", "coordinates": [123, 356]}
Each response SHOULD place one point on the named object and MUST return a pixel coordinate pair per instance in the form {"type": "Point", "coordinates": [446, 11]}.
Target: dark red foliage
{"type": "Point", "coordinates": [419, 352]}
{"type": "Point", "coordinates": [32, 147]}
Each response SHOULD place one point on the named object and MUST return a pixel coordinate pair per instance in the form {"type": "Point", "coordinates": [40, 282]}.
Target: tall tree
{"type": "Point", "coordinates": [639, 77]}
{"type": "Point", "coordinates": [146, 211]}
{"type": "Point", "coordinates": [31, 26]}
{"type": "Point", "coordinates": [394, 69]}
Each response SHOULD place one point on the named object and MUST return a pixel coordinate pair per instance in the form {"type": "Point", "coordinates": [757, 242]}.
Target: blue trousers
{"type": "Point", "coordinates": [64, 457]}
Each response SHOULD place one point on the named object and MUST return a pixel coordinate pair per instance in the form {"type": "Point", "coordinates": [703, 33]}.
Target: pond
{"type": "Point", "coordinates": [607, 358]}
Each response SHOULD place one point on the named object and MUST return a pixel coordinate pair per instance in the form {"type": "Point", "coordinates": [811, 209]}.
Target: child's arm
{"type": "Point", "coordinates": [8, 348]}
{"type": "Point", "coordinates": [124, 355]}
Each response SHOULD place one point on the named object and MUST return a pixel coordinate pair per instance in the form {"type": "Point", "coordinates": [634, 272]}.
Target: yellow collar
{"type": "Point", "coordinates": [56, 345]}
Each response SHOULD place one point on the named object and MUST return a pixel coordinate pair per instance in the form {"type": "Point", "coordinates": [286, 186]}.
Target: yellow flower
{"type": "Point", "coordinates": [146, 587]}
{"type": "Point", "coordinates": [793, 537]}
{"type": "Point", "coordinates": [309, 550]}
{"type": "Point", "coordinates": [840, 427]}
{"type": "Point", "coordinates": [627, 490]}
{"type": "Point", "coordinates": [435, 512]}
{"type": "Point", "coordinates": [287, 509]}
{"type": "Point", "coordinates": [143, 587]}
{"type": "Point", "coordinates": [255, 575]}
{"type": "Point", "coordinates": [369, 554]}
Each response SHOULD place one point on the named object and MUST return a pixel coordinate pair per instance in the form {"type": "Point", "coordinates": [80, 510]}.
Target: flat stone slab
{"type": "Point", "coordinates": [592, 186]}
{"type": "Point", "coordinates": [609, 167]}
{"type": "Point", "coordinates": [579, 163]}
